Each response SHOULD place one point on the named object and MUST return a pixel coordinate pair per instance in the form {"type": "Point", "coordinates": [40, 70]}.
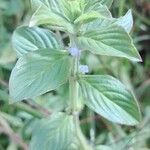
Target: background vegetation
{"type": "Point", "coordinates": [16, 120]}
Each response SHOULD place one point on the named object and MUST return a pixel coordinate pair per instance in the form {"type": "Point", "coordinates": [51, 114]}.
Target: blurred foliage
{"type": "Point", "coordinates": [17, 120]}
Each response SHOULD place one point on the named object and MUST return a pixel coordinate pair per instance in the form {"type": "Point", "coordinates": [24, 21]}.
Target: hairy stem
{"type": "Point", "coordinates": [74, 97]}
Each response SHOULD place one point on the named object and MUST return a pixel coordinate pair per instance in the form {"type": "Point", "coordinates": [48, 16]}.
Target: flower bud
{"type": "Point", "coordinates": [84, 69]}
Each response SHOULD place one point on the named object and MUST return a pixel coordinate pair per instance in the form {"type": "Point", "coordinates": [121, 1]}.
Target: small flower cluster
{"type": "Point", "coordinates": [75, 52]}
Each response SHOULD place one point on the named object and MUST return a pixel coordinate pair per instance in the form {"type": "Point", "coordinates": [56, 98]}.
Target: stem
{"type": "Point", "coordinates": [74, 97]}
{"type": "Point", "coordinates": [29, 110]}
{"type": "Point", "coordinates": [74, 85]}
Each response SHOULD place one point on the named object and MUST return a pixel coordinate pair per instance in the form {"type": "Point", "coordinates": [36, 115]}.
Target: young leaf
{"type": "Point", "coordinates": [54, 133]}
{"type": "Point", "coordinates": [108, 97]}
{"type": "Point", "coordinates": [38, 72]}
{"type": "Point", "coordinates": [44, 16]}
{"type": "Point", "coordinates": [72, 9]}
{"type": "Point", "coordinates": [101, 9]}
{"type": "Point", "coordinates": [87, 17]}
{"type": "Point", "coordinates": [27, 39]}
{"type": "Point", "coordinates": [125, 21]}
{"type": "Point", "coordinates": [111, 40]}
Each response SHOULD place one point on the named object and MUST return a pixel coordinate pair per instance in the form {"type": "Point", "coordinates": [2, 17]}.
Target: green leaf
{"type": "Point", "coordinates": [91, 11]}
{"type": "Point", "coordinates": [101, 9]}
{"type": "Point", "coordinates": [39, 72]}
{"type": "Point", "coordinates": [26, 39]}
{"type": "Point", "coordinates": [71, 9]}
{"type": "Point", "coordinates": [54, 133]}
{"type": "Point", "coordinates": [109, 97]}
{"type": "Point", "coordinates": [125, 21]}
{"type": "Point", "coordinates": [111, 40]}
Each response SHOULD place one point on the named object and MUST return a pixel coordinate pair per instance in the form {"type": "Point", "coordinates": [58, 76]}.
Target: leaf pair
{"type": "Point", "coordinates": [110, 37]}
{"type": "Point", "coordinates": [104, 95]}
{"type": "Point", "coordinates": [42, 66]}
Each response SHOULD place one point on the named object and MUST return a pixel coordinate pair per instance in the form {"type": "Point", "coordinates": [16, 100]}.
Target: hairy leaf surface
{"type": "Point", "coordinates": [125, 21]}
{"type": "Point", "coordinates": [26, 39]}
{"type": "Point", "coordinates": [108, 97]}
{"type": "Point", "coordinates": [54, 133]}
{"type": "Point", "coordinates": [111, 40]}
{"type": "Point", "coordinates": [87, 17]}
{"type": "Point", "coordinates": [97, 12]}
{"type": "Point", "coordinates": [38, 72]}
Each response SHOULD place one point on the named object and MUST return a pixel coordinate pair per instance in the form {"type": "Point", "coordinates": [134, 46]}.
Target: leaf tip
{"type": "Point", "coordinates": [138, 58]}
